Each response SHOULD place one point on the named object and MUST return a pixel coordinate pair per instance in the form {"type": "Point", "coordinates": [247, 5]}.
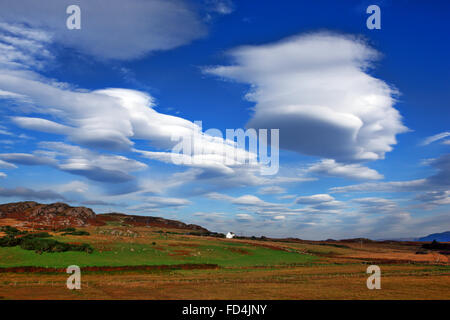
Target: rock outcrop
{"type": "Point", "coordinates": [54, 214]}
{"type": "Point", "coordinates": [150, 221]}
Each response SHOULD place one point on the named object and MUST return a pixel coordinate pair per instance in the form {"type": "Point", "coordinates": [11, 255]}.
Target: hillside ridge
{"type": "Point", "coordinates": [61, 215]}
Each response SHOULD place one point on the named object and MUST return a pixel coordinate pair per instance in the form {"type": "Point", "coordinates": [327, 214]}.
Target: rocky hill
{"type": "Point", "coordinates": [148, 221]}
{"type": "Point", "coordinates": [54, 214]}
{"type": "Point", "coordinates": [59, 215]}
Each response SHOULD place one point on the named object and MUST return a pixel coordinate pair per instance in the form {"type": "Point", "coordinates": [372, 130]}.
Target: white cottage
{"type": "Point", "coordinates": [230, 235]}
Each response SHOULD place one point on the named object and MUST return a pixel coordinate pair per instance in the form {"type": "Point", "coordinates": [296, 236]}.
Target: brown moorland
{"type": "Point", "coordinates": [175, 261]}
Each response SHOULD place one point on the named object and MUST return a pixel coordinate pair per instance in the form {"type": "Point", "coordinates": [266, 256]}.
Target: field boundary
{"type": "Point", "coordinates": [189, 266]}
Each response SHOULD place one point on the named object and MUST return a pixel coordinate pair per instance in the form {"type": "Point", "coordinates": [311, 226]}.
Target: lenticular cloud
{"type": "Point", "coordinates": [317, 90]}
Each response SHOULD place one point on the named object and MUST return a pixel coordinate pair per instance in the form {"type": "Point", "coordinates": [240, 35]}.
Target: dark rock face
{"type": "Point", "coordinates": [11, 208]}
{"type": "Point", "coordinates": [56, 214]}
{"type": "Point", "coordinates": [151, 221]}
{"type": "Point", "coordinates": [63, 209]}
{"type": "Point", "coordinates": [163, 222]}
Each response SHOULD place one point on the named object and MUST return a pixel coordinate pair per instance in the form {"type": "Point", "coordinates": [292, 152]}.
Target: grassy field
{"type": "Point", "coordinates": [243, 268]}
{"type": "Point", "coordinates": [213, 252]}
{"type": "Point", "coordinates": [150, 247]}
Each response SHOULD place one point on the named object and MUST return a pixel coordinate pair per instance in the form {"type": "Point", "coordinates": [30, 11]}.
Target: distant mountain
{"type": "Point", "coordinates": [441, 237]}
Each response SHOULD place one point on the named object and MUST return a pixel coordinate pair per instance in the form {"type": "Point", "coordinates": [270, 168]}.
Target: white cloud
{"type": "Point", "coordinates": [209, 214]}
{"type": "Point", "coordinates": [314, 199]}
{"type": "Point", "coordinates": [332, 168]}
{"type": "Point", "coordinates": [436, 137]}
{"type": "Point", "coordinates": [432, 199]}
{"type": "Point", "coordinates": [319, 204]}
{"type": "Point", "coordinates": [439, 181]}
{"type": "Point", "coordinates": [112, 119]}
{"type": "Point", "coordinates": [113, 31]}
{"type": "Point", "coordinates": [315, 89]}
{"type": "Point", "coordinates": [272, 190]}
{"type": "Point", "coordinates": [6, 95]}
{"type": "Point", "coordinates": [7, 165]}
{"type": "Point", "coordinates": [220, 6]}
{"type": "Point", "coordinates": [155, 203]}
{"type": "Point", "coordinates": [391, 186]}
{"type": "Point", "coordinates": [244, 217]}
{"type": "Point", "coordinates": [22, 48]}
{"type": "Point", "coordinates": [101, 203]}
{"type": "Point", "coordinates": [27, 159]}
{"type": "Point", "coordinates": [218, 156]}
{"type": "Point", "coordinates": [4, 131]}
{"type": "Point", "coordinates": [78, 161]}
{"type": "Point", "coordinates": [377, 205]}
{"type": "Point", "coordinates": [251, 200]}
{"type": "Point", "coordinates": [247, 200]}
{"type": "Point", "coordinates": [210, 217]}
{"type": "Point", "coordinates": [3, 175]}
{"type": "Point", "coordinates": [73, 186]}
{"type": "Point", "coordinates": [42, 125]}
{"type": "Point", "coordinates": [26, 193]}
{"type": "Point", "coordinates": [329, 206]}
{"type": "Point", "coordinates": [287, 196]}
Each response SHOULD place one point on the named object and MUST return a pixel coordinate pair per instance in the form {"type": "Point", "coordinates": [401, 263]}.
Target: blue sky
{"type": "Point", "coordinates": [87, 115]}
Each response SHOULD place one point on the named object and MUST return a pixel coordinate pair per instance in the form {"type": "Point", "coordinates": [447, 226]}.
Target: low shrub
{"type": "Point", "coordinates": [43, 245]}
{"type": "Point", "coordinates": [436, 246]}
{"type": "Point", "coordinates": [51, 245]}
{"type": "Point", "coordinates": [40, 242]}
{"type": "Point", "coordinates": [36, 235]}
{"type": "Point", "coordinates": [11, 231]}
{"type": "Point", "coordinates": [9, 241]}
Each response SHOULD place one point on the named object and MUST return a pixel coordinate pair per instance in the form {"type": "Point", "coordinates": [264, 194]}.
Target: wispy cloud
{"type": "Point", "coordinates": [272, 190]}
{"type": "Point", "coordinates": [439, 181]}
{"type": "Point", "coordinates": [153, 204]}
{"type": "Point", "coordinates": [434, 138]}
{"type": "Point", "coordinates": [78, 161]}
{"type": "Point", "coordinates": [314, 199]}
{"type": "Point", "coordinates": [21, 192]}
{"type": "Point", "coordinates": [329, 167]}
